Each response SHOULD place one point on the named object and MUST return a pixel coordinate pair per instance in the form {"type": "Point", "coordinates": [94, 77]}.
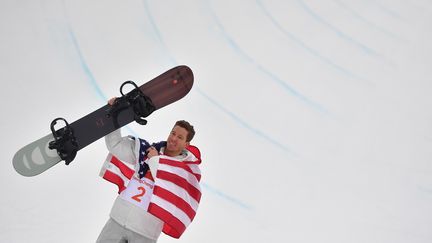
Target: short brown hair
{"type": "Point", "coordinates": [189, 128]}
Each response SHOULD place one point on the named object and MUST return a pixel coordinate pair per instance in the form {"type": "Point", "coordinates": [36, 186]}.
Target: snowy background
{"type": "Point", "coordinates": [314, 118]}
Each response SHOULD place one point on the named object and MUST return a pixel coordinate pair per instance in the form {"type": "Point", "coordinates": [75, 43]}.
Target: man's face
{"type": "Point", "coordinates": [176, 141]}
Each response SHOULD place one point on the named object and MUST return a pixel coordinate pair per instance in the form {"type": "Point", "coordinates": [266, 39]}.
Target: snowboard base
{"type": "Point", "coordinates": [36, 157]}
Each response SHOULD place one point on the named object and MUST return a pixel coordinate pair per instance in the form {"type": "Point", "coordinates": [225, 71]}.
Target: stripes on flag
{"type": "Point", "coordinates": [118, 172]}
{"type": "Point", "coordinates": [176, 193]}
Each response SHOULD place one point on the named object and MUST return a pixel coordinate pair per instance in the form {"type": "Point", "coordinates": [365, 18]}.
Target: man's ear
{"type": "Point", "coordinates": [187, 144]}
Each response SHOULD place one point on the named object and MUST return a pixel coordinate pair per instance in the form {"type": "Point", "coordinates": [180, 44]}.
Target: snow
{"type": "Point", "coordinates": [313, 117]}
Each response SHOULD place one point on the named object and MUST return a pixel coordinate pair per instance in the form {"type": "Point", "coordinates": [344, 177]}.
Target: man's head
{"type": "Point", "coordinates": [179, 137]}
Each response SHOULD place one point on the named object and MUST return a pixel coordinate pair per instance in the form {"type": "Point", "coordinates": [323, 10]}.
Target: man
{"type": "Point", "coordinates": [152, 181]}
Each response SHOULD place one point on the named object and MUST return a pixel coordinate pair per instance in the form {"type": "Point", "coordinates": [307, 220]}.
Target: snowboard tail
{"type": "Point", "coordinates": [163, 90]}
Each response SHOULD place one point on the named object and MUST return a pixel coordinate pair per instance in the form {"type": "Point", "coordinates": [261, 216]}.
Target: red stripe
{"type": "Point", "coordinates": [176, 200]}
{"type": "Point", "coordinates": [197, 175]}
{"type": "Point", "coordinates": [192, 162]}
{"type": "Point", "coordinates": [181, 182]}
{"type": "Point", "coordinates": [196, 152]}
{"type": "Point", "coordinates": [178, 164]}
{"type": "Point", "coordinates": [173, 226]}
{"type": "Point", "coordinates": [148, 175]}
{"type": "Point", "coordinates": [126, 171]}
{"type": "Point", "coordinates": [114, 178]}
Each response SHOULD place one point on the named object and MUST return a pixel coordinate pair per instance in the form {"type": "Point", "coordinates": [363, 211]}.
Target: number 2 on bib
{"type": "Point", "coordinates": [138, 196]}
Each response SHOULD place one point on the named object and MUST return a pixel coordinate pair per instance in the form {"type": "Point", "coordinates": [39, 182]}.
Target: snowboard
{"type": "Point", "coordinates": [161, 91]}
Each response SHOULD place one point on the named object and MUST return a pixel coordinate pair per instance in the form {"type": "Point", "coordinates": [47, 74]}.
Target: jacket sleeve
{"type": "Point", "coordinates": [121, 147]}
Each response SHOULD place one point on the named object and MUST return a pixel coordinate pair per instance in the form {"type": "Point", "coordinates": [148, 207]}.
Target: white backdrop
{"type": "Point", "coordinates": [313, 117]}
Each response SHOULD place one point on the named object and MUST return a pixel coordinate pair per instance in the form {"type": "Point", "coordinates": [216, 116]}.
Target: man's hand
{"type": "Point", "coordinates": [112, 101]}
{"type": "Point", "coordinates": [152, 152]}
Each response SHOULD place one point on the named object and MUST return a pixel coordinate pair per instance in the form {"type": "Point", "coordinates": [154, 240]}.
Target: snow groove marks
{"type": "Point", "coordinates": [368, 22]}
{"type": "Point", "coordinates": [244, 124]}
{"type": "Point", "coordinates": [273, 77]}
{"type": "Point", "coordinates": [158, 34]}
{"type": "Point", "coordinates": [211, 100]}
{"type": "Point", "coordinates": [335, 30]}
{"type": "Point", "coordinates": [314, 52]}
{"type": "Point", "coordinates": [73, 41]}
{"type": "Point", "coordinates": [227, 197]}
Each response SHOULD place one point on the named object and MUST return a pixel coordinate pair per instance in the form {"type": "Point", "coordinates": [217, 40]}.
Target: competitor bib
{"type": "Point", "coordinates": [138, 192]}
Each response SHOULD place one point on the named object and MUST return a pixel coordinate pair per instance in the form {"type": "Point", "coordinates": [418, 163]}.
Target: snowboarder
{"type": "Point", "coordinates": [158, 185]}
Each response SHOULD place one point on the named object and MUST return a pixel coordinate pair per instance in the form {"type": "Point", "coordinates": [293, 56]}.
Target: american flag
{"type": "Point", "coordinates": [176, 192]}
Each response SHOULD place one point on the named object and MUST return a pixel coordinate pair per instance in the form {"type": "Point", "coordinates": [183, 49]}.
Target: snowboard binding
{"type": "Point", "coordinates": [141, 104]}
{"type": "Point", "coordinates": [64, 141]}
